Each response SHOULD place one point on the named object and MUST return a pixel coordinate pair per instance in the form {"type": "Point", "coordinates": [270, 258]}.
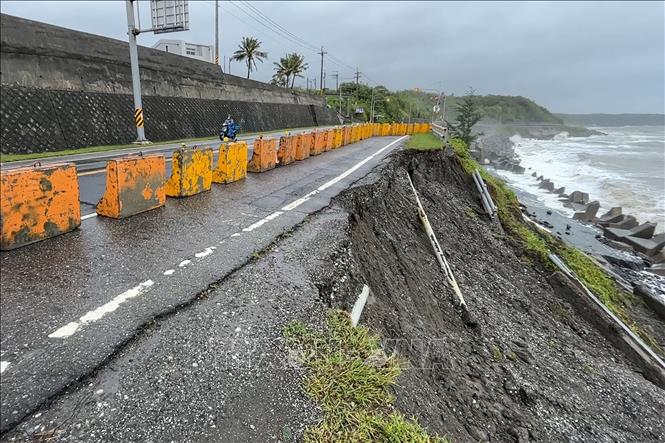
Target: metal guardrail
{"type": "Point", "coordinates": [488, 203]}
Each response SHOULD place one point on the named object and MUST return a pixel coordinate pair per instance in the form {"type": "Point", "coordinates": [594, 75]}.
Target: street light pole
{"type": "Point", "coordinates": [371, 118]}
{"type": "Point", "coordinates": [136, 79]}
{"type": "Point", "coordinates": [217, 32]}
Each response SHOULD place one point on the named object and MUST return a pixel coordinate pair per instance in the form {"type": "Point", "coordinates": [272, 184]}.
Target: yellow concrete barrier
{"type": "Point", "coordinates": [339, 138]}
{"type": "Point", "coordinates": [134, 184]}
{"type": "Point", "coordinates": [319, 143]}
{"type": "Point", "coordinates": [264, 156]}
{"type": "Point", "coordinates": [330, 140]}
{"type": "Point", "coordinates": [376, 129]}
{"type": "Point", "coordinates": [304, 143]}
{"type": "Point", "coordinates": [191, 172]}
{"type": "Point", "coordinates": [286, 153]}
{"type": "Point", "coordinates": [385, 129]}
{"type": "Point", "coordinates": [346, 139]}
{"type": "Point", "coordinates": [409, 128]}
{"type": "Point", "coordinates": [37, 203]}
{"type": "Point", "coordinates": [232, 163]}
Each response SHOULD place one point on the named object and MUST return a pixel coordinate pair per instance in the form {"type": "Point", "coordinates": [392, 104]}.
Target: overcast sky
{"type": "Point", "coordinates": [573, 57]}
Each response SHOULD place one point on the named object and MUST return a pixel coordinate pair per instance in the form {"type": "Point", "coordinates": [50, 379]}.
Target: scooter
{"type": "Point", "coordinates": [229, 131]}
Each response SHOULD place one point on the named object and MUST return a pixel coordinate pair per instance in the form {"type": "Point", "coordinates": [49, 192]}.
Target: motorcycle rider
{"type": "Point", "coordinates": [230, 127]}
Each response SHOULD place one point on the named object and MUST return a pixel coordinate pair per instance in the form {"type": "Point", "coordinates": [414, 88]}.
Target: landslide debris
{"type": "Point", "coordinates": [533, 369]}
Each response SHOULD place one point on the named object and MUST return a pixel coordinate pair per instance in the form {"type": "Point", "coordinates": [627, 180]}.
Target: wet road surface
{"type": "Point", "coordinates": [69, 303]}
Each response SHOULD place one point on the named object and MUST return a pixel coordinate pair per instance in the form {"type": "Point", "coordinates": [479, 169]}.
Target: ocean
{"type": "Point", "coordinates": [625, 167]}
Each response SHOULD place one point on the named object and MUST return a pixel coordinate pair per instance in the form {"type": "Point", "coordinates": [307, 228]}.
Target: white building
{"type": "Point", "coordinates": [199, 52]}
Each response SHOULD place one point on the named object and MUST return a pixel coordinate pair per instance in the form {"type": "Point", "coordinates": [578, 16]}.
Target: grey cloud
{"type": "Point", "coordinates": [568, 56]}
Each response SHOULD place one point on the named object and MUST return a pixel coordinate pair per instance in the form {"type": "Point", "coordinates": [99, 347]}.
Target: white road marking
{"type": "Point", "coordinates": [72, 327]}
{"type": "Point", "coordinates": [85, 217]}
{"type": "Point", "coordinates": [202, 254]}
{"type": "Point", "coordinates": [4, 365]}
{"type": "Point", "coordinates": [340, 177]}
{"type": "Point", "coordinates": [92, 316]}
{"type": "Point", "coordinates": [263, 221]}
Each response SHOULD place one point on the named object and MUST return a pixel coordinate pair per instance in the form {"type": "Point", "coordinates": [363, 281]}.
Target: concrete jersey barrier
{"type": "Point", "coordinates": [286, 153]}
{"type": "Point", "coordinates": [231, 163]}
{"type": "Point", "coordinates": [303, 145]}
{"type": "Point", "coordinates": [191, 172]}
{"type": "Point", "coordinates": [264, 157]}
{"type": "Point", "coordinates": [38, 203]}
{"type": "Point", "coordinates": [134, 184]}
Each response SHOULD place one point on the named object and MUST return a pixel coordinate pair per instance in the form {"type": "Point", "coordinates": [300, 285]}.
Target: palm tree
{"type": "Point", "coordinates": [297, 66]}
{"type": "Point", "coordinates": [282, 72]}
{"type": "Point", "coordinates": [248, 50]}
{"type": "Point", "coordinates": [290, 67]}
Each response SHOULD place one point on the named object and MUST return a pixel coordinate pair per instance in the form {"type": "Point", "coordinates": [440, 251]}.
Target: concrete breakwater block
{"type": "Point", "coordinates": [540, 178]}
{"type": "Point", "coordinates": [658, 269]}
{"type": "Point", "coordinates": [579, 197]}
{"type": "Point", "coordinates": [648, 246]}
{"type": "Point", "coordinates": [612, 216]}
{"type": "Point", "coordinates": [589, 213]}
{"type": "Point", "coordinates": [534, 174]}
{"type": "Point", "coordinates": [625, 222]}
{"type": "Point", "coordinates": [645, 230]}
{"type": "Point", "coordinates": [560, 191]}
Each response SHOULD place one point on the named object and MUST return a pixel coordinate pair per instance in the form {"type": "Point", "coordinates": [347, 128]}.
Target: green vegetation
{"type": "Point", "coordinates": [467, 115]}
{"type": "Point", "coordinates": [506, 109]}
{"type": "Point", "coordinates": [424, 142]}
{"type": "Point", "coordinates": [288, 69]}
{"type": "Point", "coordinates": [249, 51]}
{"type": "Point", "coordinates": [350, 377]}
{"type": "Point", "coordinates": [538, 244]}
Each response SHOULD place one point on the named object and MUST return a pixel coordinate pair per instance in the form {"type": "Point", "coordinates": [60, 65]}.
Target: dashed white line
{"type": "Point", "coordinates": [263, 221]}
{"type": "Point", "coordinates": [3, 366]}
{"type": "Point", "coordinates": [85, 217]}
{"type": "Point", "coordinates": [237, 234]}
{"type": "Point", "coordinates": [184, 263]}
{"type": "Point", "coordinates": [169, 272]}
{"type": "Point", "coordinates": [92, 316]}
{"type": "Point", "coordinates": [207, 251]}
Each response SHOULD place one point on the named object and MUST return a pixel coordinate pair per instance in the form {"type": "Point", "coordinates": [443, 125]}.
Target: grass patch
{"type": "Point", "coordinates": [7, 158]}
{"type": "Point", "coordinates": [539, 244]}
{"type": "Point", "coordinates": [426, 141]}
{"type": "Point", "coordinates": [350, 377]}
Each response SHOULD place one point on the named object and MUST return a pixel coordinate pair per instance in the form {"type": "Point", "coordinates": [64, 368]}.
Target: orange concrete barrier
{"type": "Point", "coordinates": [330, 140]}
{"type": "Point", "coordinates": [286, 153]}
{"type": "Point", "coordinates": [339, 138]}
{"type": "Point", "coordinates": [264, 157]}
{"type": "Point", "coordinates": [368, 130]}
{"type": "Point", "coordinates": [319, 143]}
{"type": "Point", "coordinates": [409, 128]}
{"type": "Point", "coordinates": [346, 139]}
{"type": "Point", "coordinates": [232, 163]}
{"type": "Point", "coordinates": [385, 129]}
{"type": "Point", "coordinates": [304, 143]}
{"type": "Point", "coordinates": [191, 172]}
{"type": "Point", "coordinates": [376, 129]}
{"type": "Point", "coordinates": [134, 184]}
{"type": "Point", "coordinates": [37, 203]}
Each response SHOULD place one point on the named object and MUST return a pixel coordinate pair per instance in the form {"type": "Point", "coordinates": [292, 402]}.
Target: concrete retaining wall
{"type": "Point", "coordinates": [67, 89]}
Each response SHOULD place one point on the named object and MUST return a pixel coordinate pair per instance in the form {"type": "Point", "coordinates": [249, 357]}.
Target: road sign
{"type": "Point", "coordinates": [436, 108]}
{"type": "Point", "coordinates": [169, 15]}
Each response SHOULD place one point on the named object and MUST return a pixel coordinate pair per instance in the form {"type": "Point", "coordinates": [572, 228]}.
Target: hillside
{"type": "Point", "coordinates": [613, 119]}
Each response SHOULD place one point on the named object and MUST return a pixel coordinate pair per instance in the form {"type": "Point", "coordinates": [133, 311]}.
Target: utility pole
{"type": "Point", "coordinates": [371, 118]}
{"type": "Point", "coordinates": [336, 75]}
{"type": "Point", "coordinates": [217, 32]}
{"type": "Point", "coordinates": [136, 79]}
{"type": "Point", "coordinates": [314, 82]}
{"type": "Point", "coordinates": [322, 54]}
{"type": "Point", "coordinates": [357, 82]}
{"type": "Point", "coordinates": [307, 83]}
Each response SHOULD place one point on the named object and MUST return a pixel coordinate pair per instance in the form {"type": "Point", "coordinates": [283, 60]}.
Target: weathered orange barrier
{"type": "Point", "coordinates": [338, 137]}
{"type": "Point", "coordinates": [264, 157]}
{"type": "Point", "coordinates": [231, 164]}
{"type": "Point", "coordinates": [286, 153]}
{"type": "Point", "coordinates": [37, 203]}
{"type": "Point", "coordinates": [376, 129]}
{"type": "Point", "coordinates": [409, 128]}
{"type": "Point", "coordinates": [191, 172]}
{"type": "Point", "coordinates": [346, 139]}
{"type": "Point", "coordinates": [319, 143]}
{"type": "Point", "coordinates": [134, 184]}
{"type": "Point", "coordinates": [368, 130]}
{"type": "Point", "coordinates": [385, 129]}
{"type": "Point", "coordinates": [330, 140]}
{"type": "Point", "coordinates": [303, 145]}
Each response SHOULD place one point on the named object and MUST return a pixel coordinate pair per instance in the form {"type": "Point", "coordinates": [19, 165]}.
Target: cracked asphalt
{"type": "Point", "coordinates": [175, 254]}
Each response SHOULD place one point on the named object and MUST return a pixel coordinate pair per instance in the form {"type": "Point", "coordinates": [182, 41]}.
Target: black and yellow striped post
{"type": "Point", "coordinates": [138, 117]}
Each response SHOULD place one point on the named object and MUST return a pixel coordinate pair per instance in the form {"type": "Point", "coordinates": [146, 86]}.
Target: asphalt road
{"type": "Point", "coordinates": [69, 304]}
